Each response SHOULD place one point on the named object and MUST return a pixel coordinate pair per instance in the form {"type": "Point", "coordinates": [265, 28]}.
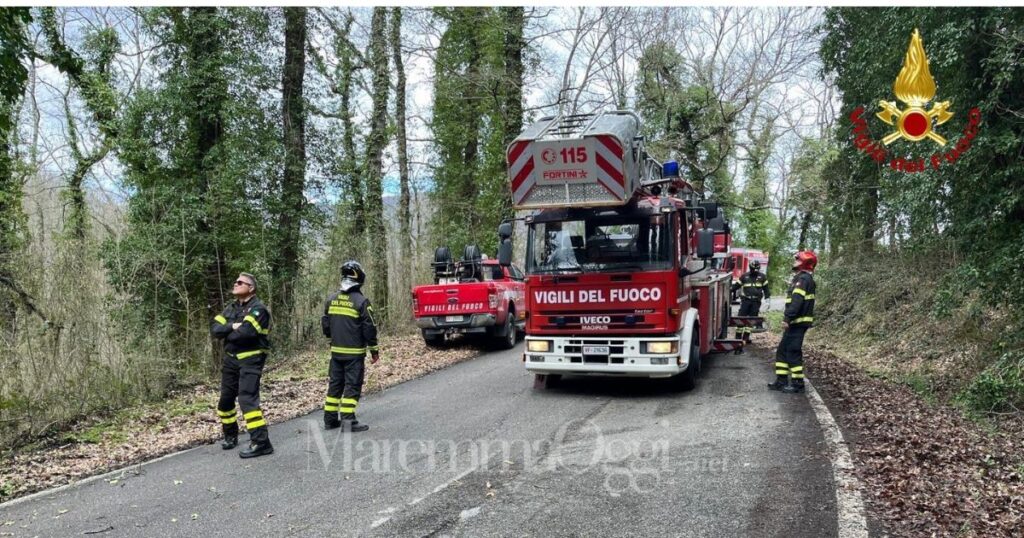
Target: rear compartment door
{"type": "Point", "coordinates": [452, 300]}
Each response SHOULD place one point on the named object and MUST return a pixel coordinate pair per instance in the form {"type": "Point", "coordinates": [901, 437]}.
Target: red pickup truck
{"type": "Point", "coordinates": [471, 296]}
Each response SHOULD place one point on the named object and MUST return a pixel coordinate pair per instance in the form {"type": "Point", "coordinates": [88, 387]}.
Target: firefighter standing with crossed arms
{"type": "Point", "coordinates": [245, 328]}
{"type": "Point", "coordinates": [797, 318]}
{"type": "Point", "coordinates": [348, 322]}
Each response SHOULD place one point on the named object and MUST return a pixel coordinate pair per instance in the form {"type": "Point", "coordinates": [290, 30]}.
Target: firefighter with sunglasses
{"type": "Point", "coordinates": [244, 326]}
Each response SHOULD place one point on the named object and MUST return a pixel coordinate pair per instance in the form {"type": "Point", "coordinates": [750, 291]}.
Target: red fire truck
{"type": "Point", "coordinates": [619, 254]}
{"type": "Point", "coordinates": [474, 296]}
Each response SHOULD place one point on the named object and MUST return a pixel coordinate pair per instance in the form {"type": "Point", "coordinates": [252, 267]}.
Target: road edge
{"type": "Point", "coordinates": [850, 512]}
{"type": "Point", "coordinates": [94, 478]}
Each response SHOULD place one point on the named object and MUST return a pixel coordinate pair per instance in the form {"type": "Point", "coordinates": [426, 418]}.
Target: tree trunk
{"type": "Point", "coordinates": [351, 166]}
{"type": "Point", "coordinates": [805, 226]}
{"type": "Point", "coordinates": [12, 221]}
{"type": "Point", "coordinates": [375, 143]}
{"type": "Point", "coordinates": [514, 19]}
{"type": "Point", "coordinates": [869, 221]}
{"type": "Point", "coordinates": [468, 185]}
{"type": "Point", "coordinates": [206, 124]}
{"type": "Point", "coordinates": [404, 214]}
{"type": "Point", "coordinates": [293, 202]}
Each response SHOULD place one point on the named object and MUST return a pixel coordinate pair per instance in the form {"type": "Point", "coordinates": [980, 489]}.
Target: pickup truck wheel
{"type": "Point", "coordinates": [508, 339]}
{"type": "Point", "coordinates": [436, 340]}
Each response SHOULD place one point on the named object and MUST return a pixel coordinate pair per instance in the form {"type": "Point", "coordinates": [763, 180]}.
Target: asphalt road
{"type": "Point", "coordinates": [474, 450]}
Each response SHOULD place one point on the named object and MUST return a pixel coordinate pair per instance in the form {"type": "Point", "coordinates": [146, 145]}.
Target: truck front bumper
{"type": "Point", "coordinates": [469, 324]}
{"type": "Point", "coordinates": [625, 357]}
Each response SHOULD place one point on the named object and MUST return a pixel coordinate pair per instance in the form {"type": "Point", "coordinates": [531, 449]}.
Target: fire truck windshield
{"type": "Point", "coordinates": [600, 243]}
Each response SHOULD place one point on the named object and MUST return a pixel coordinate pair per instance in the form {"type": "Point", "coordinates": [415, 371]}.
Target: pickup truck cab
{"type": "Point", "coordinates": [474, 296]}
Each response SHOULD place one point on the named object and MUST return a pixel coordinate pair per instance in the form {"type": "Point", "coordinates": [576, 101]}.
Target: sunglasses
{"type": "Point", "coordinates": [237, 282]}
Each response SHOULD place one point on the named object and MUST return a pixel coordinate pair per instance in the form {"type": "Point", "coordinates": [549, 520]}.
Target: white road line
{"type": "Point", "coordinates": [471, 512]}
{"type": "Point", "coordinates": [460, 476]}
{"type": "Point", "coordinates": [418, 500]}
{"type": "Point", "coordinates": [849, 505]}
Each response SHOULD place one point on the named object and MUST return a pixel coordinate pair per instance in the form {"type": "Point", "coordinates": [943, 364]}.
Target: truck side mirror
{"type": "Point", "coordinates": [505, 252]}
{"type": "Point", "coordinates": [505, 230]}
{"type": "Point", "coordinates": [710, 210]}
{"type": "Point", "coordinates": [505, 244]}
{"type": "Point", "coordinates": [705, 243]}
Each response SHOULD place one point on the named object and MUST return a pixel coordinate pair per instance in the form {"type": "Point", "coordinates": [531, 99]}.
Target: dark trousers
{"type": "Point", "coordinates": [789, 357]}
{"type": "Point", "coordinates": [748, 307]}
{"type": "Point", "coordinates": [240, 378]}
{"type": "Point", "coordinates": [344, 388]}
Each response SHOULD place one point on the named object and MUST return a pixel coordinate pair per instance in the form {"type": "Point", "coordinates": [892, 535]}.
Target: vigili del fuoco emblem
{"type": "Point", "coordinates": [915, 87]}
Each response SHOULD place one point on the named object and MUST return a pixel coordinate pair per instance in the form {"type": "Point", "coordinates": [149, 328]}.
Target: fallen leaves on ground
{"type": "Point", "coordinates": [927, 470]}
{"type": "Point", "coordinates": [290, 389]}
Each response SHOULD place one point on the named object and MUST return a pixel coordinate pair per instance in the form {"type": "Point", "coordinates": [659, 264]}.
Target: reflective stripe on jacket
{"type": "Point", "coordinates": [252, 338]}
{"type": "Point", "coordinates": [348, 322]}
{"type": "Point", "coordinates": [800, 300]}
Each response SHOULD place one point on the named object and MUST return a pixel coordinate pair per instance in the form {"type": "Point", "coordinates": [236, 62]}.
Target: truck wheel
{"type": "Point", "coordinates": [508, 339]}
{"type": "Point", "coordinates": [546, 381]}
{"type": "Point", "coordinates": [688, 379]}
{"type": "Point", "coordinates": [435, 340]}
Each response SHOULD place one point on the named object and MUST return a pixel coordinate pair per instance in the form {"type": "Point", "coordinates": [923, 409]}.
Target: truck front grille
{"type": "Point", "coordinates": [574, 351]}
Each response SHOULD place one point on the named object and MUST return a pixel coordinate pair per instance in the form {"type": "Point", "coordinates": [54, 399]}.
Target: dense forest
{"type": "Point", "coordinates": [148, 155]}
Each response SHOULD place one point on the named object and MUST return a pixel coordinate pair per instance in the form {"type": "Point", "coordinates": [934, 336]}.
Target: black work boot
{"type": "Point", "coordinates": [781, 383]}
{"type": "Point", "coordinates": [229, 442]}
{"type": "Point", "coordinates": [353, 425]}
{"type": "Point", "coordinates": [794, 388]}
{"type": "Point", "coordinates": [256, 449]}
{"type": "Point", "coordinates": [331, 421]}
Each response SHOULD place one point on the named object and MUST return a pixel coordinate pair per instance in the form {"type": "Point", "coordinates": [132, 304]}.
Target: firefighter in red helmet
{"type": "Point", "coordinates": [797, 318]}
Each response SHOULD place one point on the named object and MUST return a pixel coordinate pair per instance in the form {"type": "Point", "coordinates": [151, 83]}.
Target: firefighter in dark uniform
{"type": "Point", "coordinates": [245, 327]}
{"type": "Point", "coordinates": [348, 322]}
{"type": "Point", "coordinates": [753, 286]}
{"type": "Point", "coordinates": [798, 317]}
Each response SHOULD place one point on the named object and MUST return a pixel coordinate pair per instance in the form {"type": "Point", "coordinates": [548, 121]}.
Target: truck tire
{"type": "Point", "coordinates": [436, 340]}
{"type": "Point", "coordinates": [546, 381]}
{"type": "Point", "coordinates": [506, 339]}
{"type": "Point", "coordinates": [688, 379]}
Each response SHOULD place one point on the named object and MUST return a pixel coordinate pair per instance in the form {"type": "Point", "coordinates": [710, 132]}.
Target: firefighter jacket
{"type": "Point", "coordinates": [754, 285]}
{"type": "Point", "coordinates": [252, 337]}
{"type": "Point", "coordinates": [800, 300]}
{"type": "Point", "coordinates": [348, 322]}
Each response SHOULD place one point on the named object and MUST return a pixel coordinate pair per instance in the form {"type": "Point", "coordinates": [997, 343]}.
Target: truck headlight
{"type": "Point", "coordinates": [662, 347]}
{"type": "Point", "coordinates": [539, 346]}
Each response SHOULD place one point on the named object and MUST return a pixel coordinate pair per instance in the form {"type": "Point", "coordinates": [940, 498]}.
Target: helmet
{"type": "Point", "coordinates": [805, 260]}
{"type": "Point", "coordinates": [351, 270]}
{"type": "Point", "coordinates": [755, 265]}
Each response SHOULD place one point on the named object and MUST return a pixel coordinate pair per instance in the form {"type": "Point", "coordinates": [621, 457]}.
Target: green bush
{"type": "Point", "coordinates": [999, 388]}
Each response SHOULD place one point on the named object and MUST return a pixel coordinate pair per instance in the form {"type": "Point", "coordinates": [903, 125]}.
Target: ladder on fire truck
{"type": "Point", "coordinates": [568, 126]}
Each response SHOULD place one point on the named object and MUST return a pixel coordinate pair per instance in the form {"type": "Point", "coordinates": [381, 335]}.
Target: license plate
{"type": "Point", "coordinates": [451, 319]}
{"type": "Point", "coordinates": [595, 350]}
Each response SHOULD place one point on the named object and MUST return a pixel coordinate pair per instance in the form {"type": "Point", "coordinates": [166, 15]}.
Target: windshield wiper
{"type": "Point", "coordinates": [622, 268]}
{"type": "Point", "coordinates": [576, 269]}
